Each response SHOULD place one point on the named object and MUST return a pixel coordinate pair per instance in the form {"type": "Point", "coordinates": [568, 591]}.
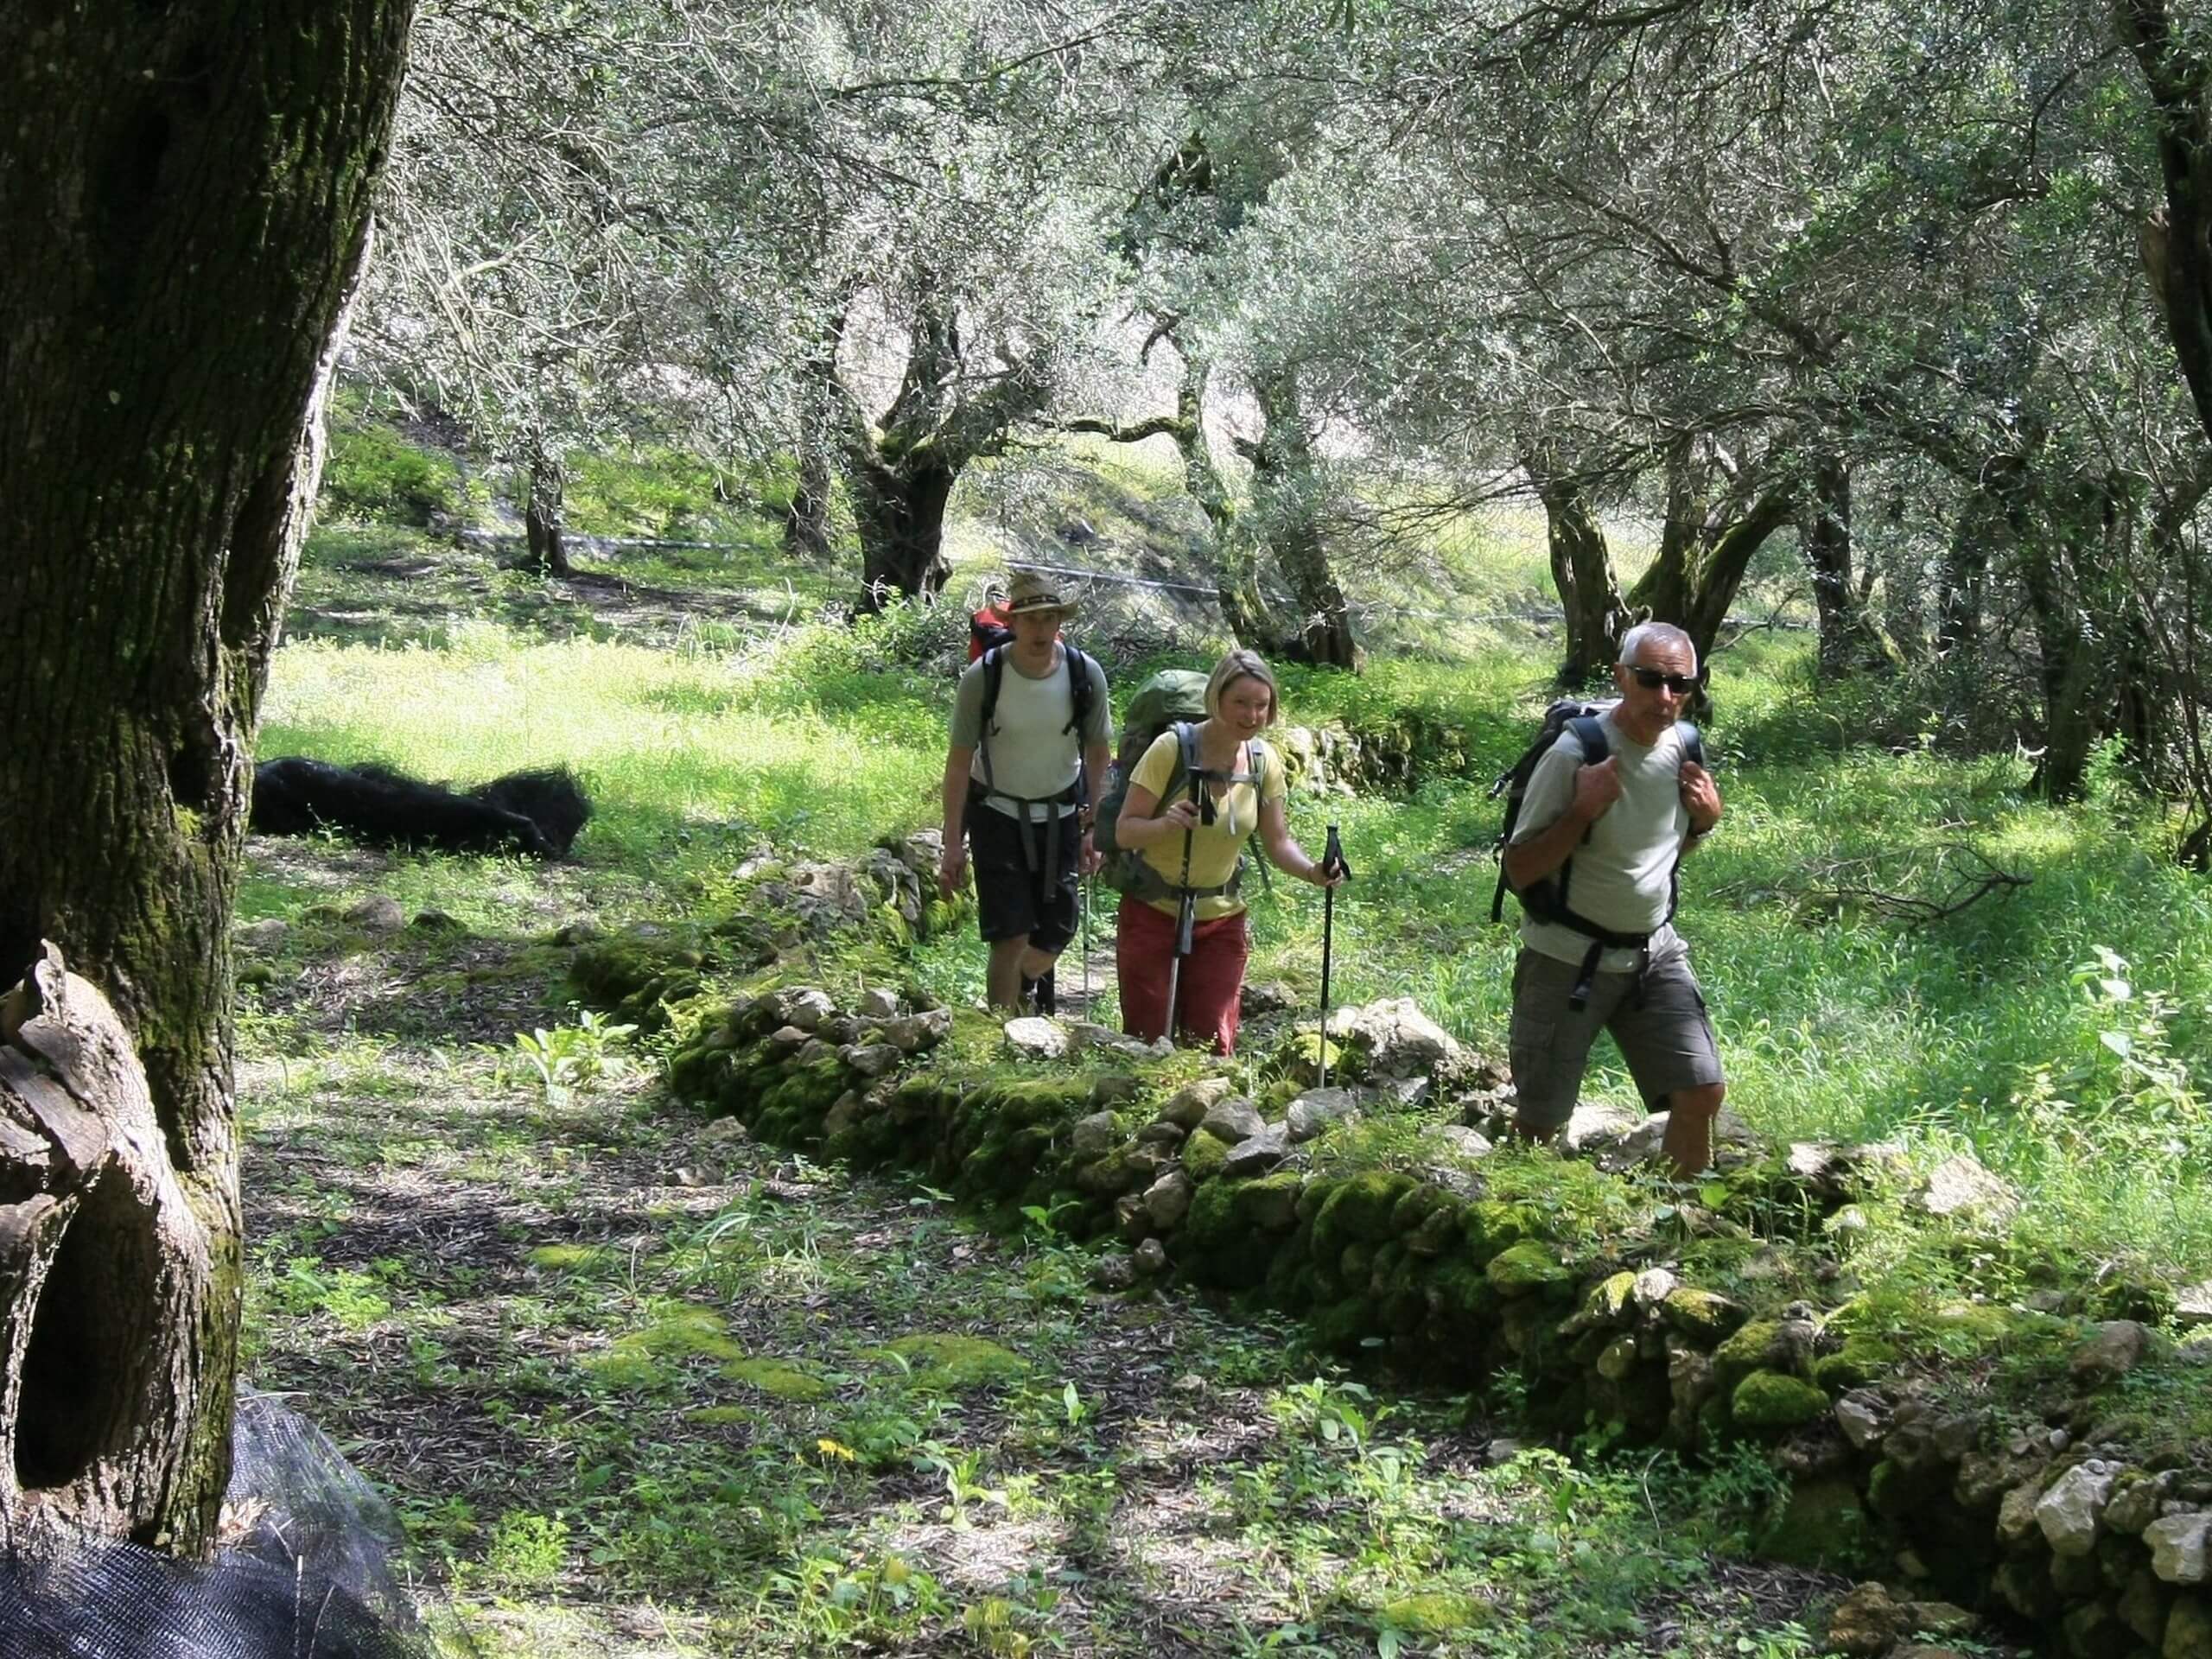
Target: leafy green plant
{"type": "Point", "coordinates": [566, 1058]}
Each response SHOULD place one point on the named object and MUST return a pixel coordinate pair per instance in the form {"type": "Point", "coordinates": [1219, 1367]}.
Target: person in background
{"type": "Point", "coordinates": [1031, 738]}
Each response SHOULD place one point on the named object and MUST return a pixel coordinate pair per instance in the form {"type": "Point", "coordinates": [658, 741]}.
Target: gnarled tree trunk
{"type": "Point", "coordinates": [899, 504]}
{"type": "Point", "coordinates": [2074, 636]}
{"type": "Point", "coordinates": [186, 209]}
{"type": "Point", "coordinates": [1582, 570]}
{"type": "Point", "coordinates": [2177, 243]}
{"type": "Point", "coordinates": [1704, 552]}
{"type": "Point", "coordinates": [901, 472]}
{"type": "Point", "coordinates": [544, 489]}
{"type": "Point", "coordinates": [1286, 500]}
{"type": "Point", "coordinates": [1847, 637]}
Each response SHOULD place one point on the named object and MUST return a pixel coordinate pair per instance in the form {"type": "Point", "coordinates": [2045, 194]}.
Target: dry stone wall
{"type": "Point", "coordinates": [2079, 1522]}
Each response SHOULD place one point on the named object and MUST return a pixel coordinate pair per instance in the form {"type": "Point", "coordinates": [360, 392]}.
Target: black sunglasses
{"type": "Point", "coordinates": [1651, 679]}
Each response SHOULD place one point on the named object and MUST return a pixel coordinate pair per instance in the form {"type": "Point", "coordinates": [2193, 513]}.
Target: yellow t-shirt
{"type": "Point", "coordinates": [1214, 846]}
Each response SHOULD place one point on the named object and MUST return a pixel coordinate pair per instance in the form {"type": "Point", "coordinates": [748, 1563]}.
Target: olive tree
{"type": "Point", "coordinates": [186, 209]}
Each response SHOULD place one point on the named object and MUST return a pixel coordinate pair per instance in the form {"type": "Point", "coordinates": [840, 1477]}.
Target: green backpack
{"type": "Point", "coordinates": [1174, 697]}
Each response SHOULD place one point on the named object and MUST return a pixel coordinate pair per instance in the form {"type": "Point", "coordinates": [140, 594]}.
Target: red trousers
{"type": "Point", "coordinates": [1212, 981]}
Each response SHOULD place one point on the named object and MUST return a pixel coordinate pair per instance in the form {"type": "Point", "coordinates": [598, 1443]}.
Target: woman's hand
{"type": "Point", "coordinates": [1182, 816]}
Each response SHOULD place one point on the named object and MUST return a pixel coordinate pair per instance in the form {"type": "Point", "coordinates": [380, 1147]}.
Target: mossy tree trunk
{"type": "Point", "coordinates": [1288, 498]}
{"type": "Point", "coordinates": [1582, 570]}
{"type": "Point", "coordinates": [1848, 639]}
{"type": "Point", "coordinates": [1986, 523]}
{"type": "Point", "coordinates": [186, 209]}
{"type": "Point", "coordinates": [1237, 585]}
{"type": "Point", "coordinates": [2063, 566]}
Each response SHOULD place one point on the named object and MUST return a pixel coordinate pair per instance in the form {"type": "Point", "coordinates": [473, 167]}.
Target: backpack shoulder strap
{"type": "Point", "coordinates": [993, 661]}
{"type": "Point", "coordinates": [1186, 760]}
{"type": "Point", "coordinates": [1590, 732]}
{"type": "Point", "coordinates": [1080, 693]}
{"type": "Point", "coordinates": [1692, 742]}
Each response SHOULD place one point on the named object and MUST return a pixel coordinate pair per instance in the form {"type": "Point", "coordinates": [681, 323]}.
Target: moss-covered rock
{"type": "Point", "coordinates": [1233, 1228]}
{"type": "Point", "coordinates": [636, 976]}
{"type": "Point", "coordinates": [1433, 1613]}
{"type": "Point", "coordinates": [1770, 1401]}
{"type": "Point", "coordinates": [1821, 1523]}
{"type": "Point", "coordinates": [567, 1258]}
{"type": "Point", "coordinates": [1531, 1267]}
{"type": "Point", "coordinates": [1360, 1208]}
{"type": "Point", "coordinates": [1755, 1346]}
{"type": "Point", "coordinates": [1861, 1360]}
{"type": "Point", "coordinates": [1703, 1316]}
{"type": "Point", "coordinates": [1608, 1301]}
{"type": "Point", "coordinates": [1492, 1226]}
{"type": "Point", "coordinates": [1203, 1157]}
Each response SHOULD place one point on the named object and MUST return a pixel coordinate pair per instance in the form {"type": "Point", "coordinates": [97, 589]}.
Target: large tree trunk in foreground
{"type": "Point", "coordinates": [185, 208]}
{"type": "Point", "coordinates": [1582, 570]}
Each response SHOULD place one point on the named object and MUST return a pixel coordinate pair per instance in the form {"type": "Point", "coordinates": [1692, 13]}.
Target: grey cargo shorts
{"type": "Point", "coordinates": [1657, 1020]}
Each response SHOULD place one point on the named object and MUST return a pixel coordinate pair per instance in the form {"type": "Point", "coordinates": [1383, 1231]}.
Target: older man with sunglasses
{"type": "Point", "coordinates": [1599, 846]}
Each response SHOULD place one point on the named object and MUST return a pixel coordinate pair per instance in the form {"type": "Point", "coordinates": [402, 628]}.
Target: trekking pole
{"type": "Point", "coordinates": [1333, 858]}
{"type": "Point", "coordinates": [1186, 916]}
{"type": "Point", "coordinates": [1083, 904]}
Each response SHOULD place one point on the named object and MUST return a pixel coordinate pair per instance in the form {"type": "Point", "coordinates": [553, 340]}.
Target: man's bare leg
{"type": "Point", "coordinates": [1688, 1139]}
{"type": "Point", "coordinates": [1015, 962]}
{"type": "Point", "coordinates": [1005, 976]}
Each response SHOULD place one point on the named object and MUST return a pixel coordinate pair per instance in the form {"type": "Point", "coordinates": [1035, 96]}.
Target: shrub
{"type": "Point", "coordinates": [373, 474]}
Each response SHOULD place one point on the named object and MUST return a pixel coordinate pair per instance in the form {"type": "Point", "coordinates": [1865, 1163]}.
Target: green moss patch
{"type": "Point", "coordinates": [958, 1363]}
{"type": "Point", "coordinates": [778, 1377]}
{"type": "Point", "coordinates": [566, 1258]}
{"type": "Point", "coordinates": [1438, 1612]}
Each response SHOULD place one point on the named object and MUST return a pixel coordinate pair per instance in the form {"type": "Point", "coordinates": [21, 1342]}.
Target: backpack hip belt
{"type": "Point", "coordinates": [1071, 798]}
{"type": "Point", "coordinates": [1080, 694]}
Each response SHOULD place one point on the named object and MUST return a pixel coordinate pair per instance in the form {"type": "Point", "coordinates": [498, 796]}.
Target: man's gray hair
{"type": "Point", "coordinates": [1657, 633]}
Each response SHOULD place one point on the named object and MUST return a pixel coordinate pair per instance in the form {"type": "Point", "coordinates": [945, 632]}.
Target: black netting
{"type": "Point", "coordinates": [305, 1574]}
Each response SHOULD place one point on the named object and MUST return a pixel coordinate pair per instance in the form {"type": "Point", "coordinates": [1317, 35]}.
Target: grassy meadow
{"type": "Point", "coordinates": [640, 1389]}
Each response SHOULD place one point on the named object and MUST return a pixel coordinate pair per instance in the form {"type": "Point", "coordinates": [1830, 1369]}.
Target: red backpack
{"type": "Point", "coordinates": [989, 626]}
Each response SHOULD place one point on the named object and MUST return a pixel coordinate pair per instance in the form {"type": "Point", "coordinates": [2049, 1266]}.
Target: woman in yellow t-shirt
{"type": "Point", "coordinates": [1189, 833]}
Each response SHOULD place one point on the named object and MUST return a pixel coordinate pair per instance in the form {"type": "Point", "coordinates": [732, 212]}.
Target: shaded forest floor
{"type": "Point", "coordinates": [640, 1387]}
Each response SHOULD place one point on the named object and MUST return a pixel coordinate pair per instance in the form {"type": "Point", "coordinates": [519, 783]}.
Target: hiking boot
{"type": "Point", "coordinates": [1048, 999]}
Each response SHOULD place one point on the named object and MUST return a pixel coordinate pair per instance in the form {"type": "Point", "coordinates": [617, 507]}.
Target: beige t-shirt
{"type": "Point", "coordinates": [1032, 754]}
{"type": "Point", "coordinates": [1214, 846]}
{"type": "Point", "coordinates": [1622, 876]}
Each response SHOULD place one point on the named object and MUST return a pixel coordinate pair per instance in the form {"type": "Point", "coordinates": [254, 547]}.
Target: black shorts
{"type": "Point", "coordinates": [1011, 901]}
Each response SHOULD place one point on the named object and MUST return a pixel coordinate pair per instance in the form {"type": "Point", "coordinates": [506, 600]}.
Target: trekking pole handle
{"type": "Point", "coordinates": [1333, 856]}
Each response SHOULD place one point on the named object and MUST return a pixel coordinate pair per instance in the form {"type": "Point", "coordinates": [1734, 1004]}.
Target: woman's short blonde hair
{"type": "Point", "coordinates": [1241, 665]}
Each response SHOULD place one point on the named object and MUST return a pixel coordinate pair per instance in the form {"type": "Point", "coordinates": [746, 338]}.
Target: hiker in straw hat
{"type": "Point", "coordinates": [1031, 735]}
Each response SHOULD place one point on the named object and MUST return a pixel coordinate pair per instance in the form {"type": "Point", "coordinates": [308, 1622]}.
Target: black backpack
{"type": "Point", "coordinates": [1546, 900]}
